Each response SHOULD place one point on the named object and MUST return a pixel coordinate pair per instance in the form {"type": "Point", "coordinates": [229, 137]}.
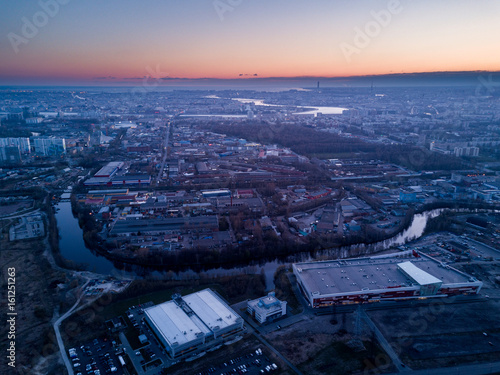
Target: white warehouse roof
{"type": "Point", "coordinates": [418, 275]}
{"type": "Point", "coordinates": [174, 324]}
{"type": "Point", "coordinates": [211, 310]}
{"type": "Point", "coordinates": [205, 313]}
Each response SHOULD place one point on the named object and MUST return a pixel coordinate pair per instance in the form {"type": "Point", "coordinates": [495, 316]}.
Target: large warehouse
{"type": "Point", "coordinates": [391, 277]}
{"type": "Point", "coordinates": [192, 324]}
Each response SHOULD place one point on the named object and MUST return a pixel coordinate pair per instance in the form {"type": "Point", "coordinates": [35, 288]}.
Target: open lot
{"type": "Point", "coordinates": [323, 345]}
{"type": "Point", "coordinates": [11, 209]}
{"type": "Point", "coordinates": [36, 294]}
{"type": "Point", "coordinates": [442, 333]}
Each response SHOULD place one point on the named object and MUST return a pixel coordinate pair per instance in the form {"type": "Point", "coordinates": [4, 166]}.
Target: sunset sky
{"type": "Point", "coordinates": [93, 41]}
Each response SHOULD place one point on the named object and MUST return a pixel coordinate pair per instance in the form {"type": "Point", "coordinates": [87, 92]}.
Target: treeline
{"type": "Point", "coordinates": [444, 223]}
{"type": "Point", "coordinates": [458, 204]}
{"type": "Point", "coordinates": [303, 140]}
{"type": "Point", "coordinates": [310, 142]}
{"type": "Point", "coordinates": [232, 287]}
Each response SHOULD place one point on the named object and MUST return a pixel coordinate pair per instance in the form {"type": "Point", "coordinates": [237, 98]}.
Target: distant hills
{"type": "Point", "coordinates": [490, 81]}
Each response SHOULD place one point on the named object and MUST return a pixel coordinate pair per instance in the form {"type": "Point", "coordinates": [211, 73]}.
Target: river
{"type": "Point", "coordinates": [72, 247]}
{"type": "Point", "coordinates": [71, 244]}
{"type": "Point", "coordinates": [312, 109]}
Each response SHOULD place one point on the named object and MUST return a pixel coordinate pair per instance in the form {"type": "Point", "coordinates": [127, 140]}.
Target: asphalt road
{"type": "Point", "coordinates": [165, 152]}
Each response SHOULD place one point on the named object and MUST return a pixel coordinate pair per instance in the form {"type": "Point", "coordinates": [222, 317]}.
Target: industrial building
{"type": "Point", "coordinates": [128, 179]}
{"type": "Point", "coordinates": [404, 275]}
{"type": "Point", "coordinates": [216, 193]}
{"type": "Point", "coordinates": [170, 225]}
{"type": "Point", "coordinates": [190, 325]}
{"type": "Point", "coordinates": [110, 175]}
{"type": "Point", "coordinates": [110, 169]}
{"type": "Point", "coordinates": [266, 309]}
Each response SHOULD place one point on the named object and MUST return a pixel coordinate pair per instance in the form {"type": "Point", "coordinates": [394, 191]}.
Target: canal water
{"type": "Point", "coordinates": [73, 247]}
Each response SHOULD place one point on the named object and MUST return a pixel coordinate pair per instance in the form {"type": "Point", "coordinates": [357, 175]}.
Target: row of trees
{"type": "Point", "coordinates": [307, 141]}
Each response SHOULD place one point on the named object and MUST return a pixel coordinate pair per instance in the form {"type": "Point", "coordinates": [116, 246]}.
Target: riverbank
{"type": "Point", "coordinates": [195, 260]}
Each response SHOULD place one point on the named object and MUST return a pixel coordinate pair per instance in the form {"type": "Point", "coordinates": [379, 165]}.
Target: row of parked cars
{"type": "Point", "coordinates": [105, 361]}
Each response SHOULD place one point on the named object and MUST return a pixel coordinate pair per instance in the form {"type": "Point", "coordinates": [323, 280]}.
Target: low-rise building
{"type": "Point", "coordinates": [30, 227]}
{"type": "Point", "coordinates": [266, 309]}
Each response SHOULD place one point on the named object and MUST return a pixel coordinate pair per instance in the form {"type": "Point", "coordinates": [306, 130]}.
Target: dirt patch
{"type": "Point", "coordinates": [10, 209]}
{"type": "Point", "coordinates": [322, 345]}
{"type": "Point", "coordinates": [297, 348]}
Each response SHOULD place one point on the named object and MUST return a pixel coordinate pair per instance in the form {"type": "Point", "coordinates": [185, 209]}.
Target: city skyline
{"type": "Point", "coordinates": [71, 42]}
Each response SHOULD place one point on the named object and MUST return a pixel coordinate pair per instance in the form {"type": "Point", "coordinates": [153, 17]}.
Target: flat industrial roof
{"type": "Point", "coordinates": [216, 191]}
{"type": "Point", "coordinates": [363, 274]}
{"type": "Point", "coordinates": [174, 324]}
{"type": "Point", "coordinates": [164, 224]}
{"type": "Point", "coordinates": [417, 274]}
{"type": "Point", "coordinates": [211, 310]}
{"type": "Point", "coordinates": [265, 303]}
{"type": "Point", "coordinates": [108, 169]}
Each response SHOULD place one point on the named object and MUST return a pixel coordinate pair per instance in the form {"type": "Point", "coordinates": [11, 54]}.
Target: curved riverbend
{"type": "Point", "coordinates": [72, 247]}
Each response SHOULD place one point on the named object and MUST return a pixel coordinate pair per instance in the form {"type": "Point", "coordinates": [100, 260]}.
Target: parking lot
{"type": "Point", "coordinates": [252, 363]}
{"type": "Point", "coordinates": [147, 356]}
{"type": "Point", "coordinates": [97, 357]}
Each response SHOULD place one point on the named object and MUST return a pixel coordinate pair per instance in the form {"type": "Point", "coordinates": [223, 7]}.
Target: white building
{"type": "Point", "coordinates": [48, 146]}
{"type": "Point", "coordinates": [190, 325]}
{"type": "Point", "coordinates": [22, 143]}
{"type": "Point", "coordinates": [466, 151]}
{"type": "Point", "coordinates": [267, 308]}
{"type": "Point", "coordinates": [34, 120]}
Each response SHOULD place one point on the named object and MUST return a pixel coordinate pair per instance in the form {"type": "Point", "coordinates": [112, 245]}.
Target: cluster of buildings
{"type": "Point", "coordinates": [352, 169]}
{"type": "Point", "coordinates": [29, 226]}
{"type": "Point", "coordinates": [14, 150]}
{"type": "Point", "coordinates": [200, 157]}
{"type": "Point", "coordinates": [189, 326]}
{"type": "Point", "coordinates": [453, 149]}
{"type": "Point", "coordinates": [162, 219]}
{"type": "Point", "coordinates": [140, 144]}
